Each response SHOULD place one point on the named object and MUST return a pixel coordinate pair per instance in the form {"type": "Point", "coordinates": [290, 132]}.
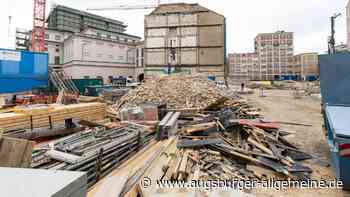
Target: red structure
{"type": "Point", "coordinates": [38, 34]}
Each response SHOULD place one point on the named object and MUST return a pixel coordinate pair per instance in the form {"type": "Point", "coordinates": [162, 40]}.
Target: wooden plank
{"type": "Point", "coordinates": [15, 152]}
{"type": "Point", "coordinates": [260, 146]}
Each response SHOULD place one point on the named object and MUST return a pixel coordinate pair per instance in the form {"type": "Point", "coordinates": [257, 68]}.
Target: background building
{"type": "Point", "coordinates": [243, 67]}
{"type": "Point", "coordinates": [188, 37]}
{"type": "Point", "coordinates": [348, 24]}
{"type": "Point", "coordinates": [306, 66]}
{"type": "Point", "coordinates": [90, 46]}
{"type": "Point", "coordinates": [275, 54]}
{"type": "Point", "coordinates": [68, 19]}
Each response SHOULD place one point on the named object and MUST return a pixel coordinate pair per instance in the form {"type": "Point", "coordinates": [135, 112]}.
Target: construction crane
{"type": "Point", "coordinates": [38, 32]}
{"type": "Point", "coordinates": [126, 7]}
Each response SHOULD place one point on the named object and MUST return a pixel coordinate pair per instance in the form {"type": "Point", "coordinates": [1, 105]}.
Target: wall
{"type": "Point", "coordinates": [93, 50]}
{"type": "Point", "coordinates": [198, 39]}
{"type": "Point", "coordinates": [77, 71]}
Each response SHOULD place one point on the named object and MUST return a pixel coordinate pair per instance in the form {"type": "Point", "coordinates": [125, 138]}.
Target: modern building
{"type": "Point", "coordinates": [306, 66]}
{"type": "Point", "coordinates": [64, 18]}
{"type": "Point", "coordinates": [186, 38]}
{"type": "Point", "coordinates": [22, 39]}
{"type": "Point", "coordinates": [243, 67]}
{"type": "Point", "coordinates": [275, 54]}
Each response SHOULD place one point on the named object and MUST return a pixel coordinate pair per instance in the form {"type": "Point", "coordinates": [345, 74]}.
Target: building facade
{"type": "Point", "coordinates": [275, 54]}
{"type": "Point", "coordinates": [306, 65]}
{"type": "Point", "coordinates": [348, 24]}
{"type": "Point", "coordinates": [243, 66]}
{"type": "Point", "coordinates": [64, 18]}
{"type": "Point", "coordinates": [89, 46]}
{"type": "Point", "coordinates": [184, 38]}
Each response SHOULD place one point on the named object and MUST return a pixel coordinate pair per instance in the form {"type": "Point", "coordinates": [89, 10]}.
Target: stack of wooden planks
{"type": "Point", "coordinates": [35, 116]}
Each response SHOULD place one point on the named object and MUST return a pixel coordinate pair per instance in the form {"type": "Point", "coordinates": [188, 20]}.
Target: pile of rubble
{"type": "Point", "coordinates": [223, 145]}
{"type": "Point", "coordinates": [178, 92]}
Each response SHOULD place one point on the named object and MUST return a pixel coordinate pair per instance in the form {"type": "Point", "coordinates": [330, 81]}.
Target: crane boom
{"type": "Point", "coordinates": [124, 7]}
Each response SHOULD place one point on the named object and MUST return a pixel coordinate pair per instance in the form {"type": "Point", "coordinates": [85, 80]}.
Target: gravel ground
{"type": "Point", "coordinates": [280, 105]}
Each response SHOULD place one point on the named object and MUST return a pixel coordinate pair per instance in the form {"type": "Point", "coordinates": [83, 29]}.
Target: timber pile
{"type": "Point", "coordinates": [97, 151]}
{"type": "Point", "coordinates": [178, 92]}
{"type": "Point", "coordinates": [219, 145]}
{"type": "Point", "coordinates": [36, 116]}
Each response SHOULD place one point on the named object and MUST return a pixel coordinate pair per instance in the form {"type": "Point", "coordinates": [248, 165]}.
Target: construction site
{"type": "Point", "coordinates": [89, 110]}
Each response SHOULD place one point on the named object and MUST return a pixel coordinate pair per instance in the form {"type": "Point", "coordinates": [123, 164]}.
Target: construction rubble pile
{"type": "Point", "coordinates": [178, 92]}
{"type": "Point", "coordinates": [226, 138]}
{"type": "Point", "coordinates": [220, 146]}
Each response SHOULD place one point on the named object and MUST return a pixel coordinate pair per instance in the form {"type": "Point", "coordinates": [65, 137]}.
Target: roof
{"type": "Point", "coordinates": [120, 33]}
{"type": "Point", "coordinates": [277, 32]}
{"type": "Point", "coordinates": [179, 8]}
{"type": "Point", "coordinates": [83, 13]}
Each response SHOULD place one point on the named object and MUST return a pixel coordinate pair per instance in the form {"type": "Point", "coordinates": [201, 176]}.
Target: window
{"type": "Point", "coordinates": [109, 36]}
{"type": "Point", "coordinates": [57, 50]}
{"type": "Point", "coordinates": [57, 60]}
{"type": "Point", "coordinates": [86, 77]}
{"type": "Point", "coordinates": [47, 36]}
{"type": "Point", "coordinates": [98, 34]}
{"type": "Point", "coordinates": [125, 40]}
{"type": "Point", "coordinates": [99, 77]}
{"type": "Point", "coordinates": [57, 37]}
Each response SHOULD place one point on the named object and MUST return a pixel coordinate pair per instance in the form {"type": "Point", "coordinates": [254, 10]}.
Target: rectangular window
{"type": "Point", "coordinates": [86, 77]}
{"type": "Point", "coordinates": [47, 36]}
{"type": "Point", "coordinates": [57, 60]}
{"type": "Point", "coordinates": [57, 37]}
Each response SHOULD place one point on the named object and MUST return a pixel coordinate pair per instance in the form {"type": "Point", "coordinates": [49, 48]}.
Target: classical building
{"type": "Point", "coordinates": [86, 45]}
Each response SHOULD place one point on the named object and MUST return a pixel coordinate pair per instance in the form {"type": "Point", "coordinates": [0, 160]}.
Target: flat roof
{"type": "Point", "coordinates": [84, 13]}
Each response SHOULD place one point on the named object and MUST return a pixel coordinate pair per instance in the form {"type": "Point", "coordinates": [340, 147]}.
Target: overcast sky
{"type": "Point", "coordinates": [308, 19]}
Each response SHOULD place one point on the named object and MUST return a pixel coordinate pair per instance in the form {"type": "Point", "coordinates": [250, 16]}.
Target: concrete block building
{"type": "Point", "coordinates": [185, 38]}
{"type": "Point", "coordinates": [275, 53]}
{"type": "Point", "coordinates": [243, 66]}
{"type": "Point", "coordinates": [306, 65]}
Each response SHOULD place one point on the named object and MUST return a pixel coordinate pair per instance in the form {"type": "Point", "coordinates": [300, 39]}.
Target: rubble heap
{"type": "Point", "coordinates": [222, 145]}
{"type": "Point", "coordinates": [178, 92]}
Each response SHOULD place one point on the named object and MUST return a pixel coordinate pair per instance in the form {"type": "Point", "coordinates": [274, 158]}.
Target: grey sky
{"type": "Point", "coordinates": [308, 19]}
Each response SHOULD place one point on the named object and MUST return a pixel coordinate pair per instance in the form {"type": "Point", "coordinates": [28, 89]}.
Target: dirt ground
{"type": "Point", "coordinates": [280, 105]}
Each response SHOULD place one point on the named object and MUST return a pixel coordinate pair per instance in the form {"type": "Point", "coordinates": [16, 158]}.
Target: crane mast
{"type": "Point", "coordinates": [38, 33]}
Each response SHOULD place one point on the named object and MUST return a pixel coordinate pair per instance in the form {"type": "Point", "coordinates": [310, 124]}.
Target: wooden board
{"type": "Point", "coordinates": [15, 152]}
{"type": "Point", "coordinates": [38, 115]}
